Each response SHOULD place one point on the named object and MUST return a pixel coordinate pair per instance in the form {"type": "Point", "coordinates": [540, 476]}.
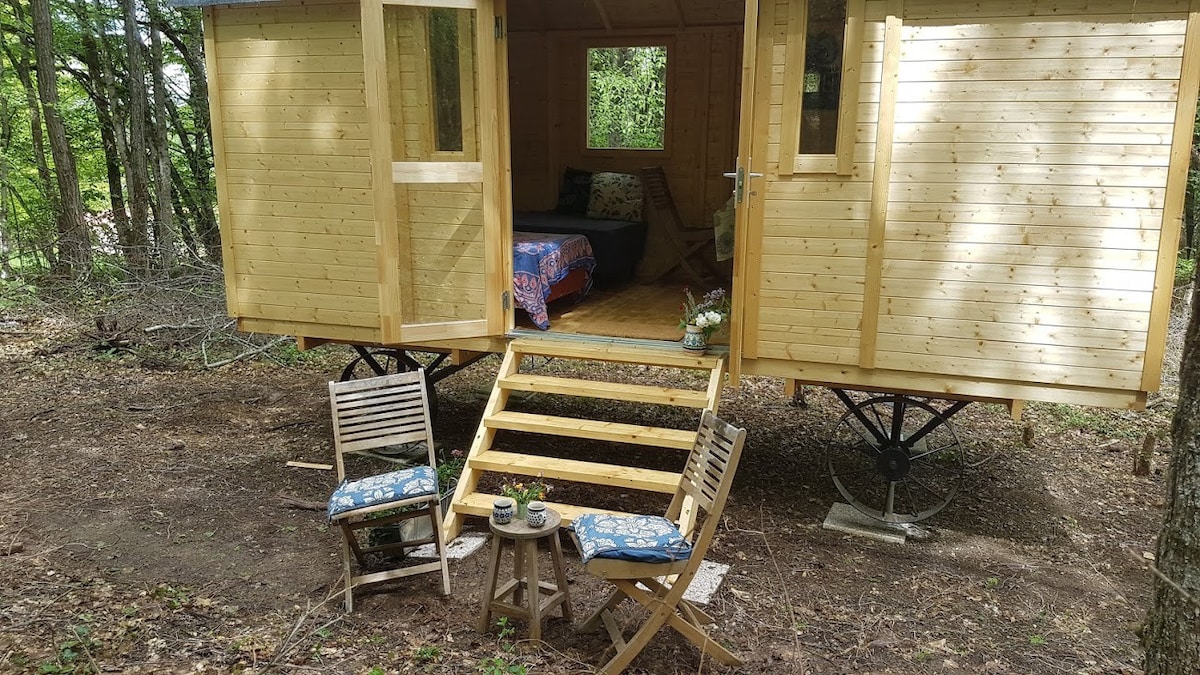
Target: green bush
{"type": "Point", "coordinates": [1185, 268]}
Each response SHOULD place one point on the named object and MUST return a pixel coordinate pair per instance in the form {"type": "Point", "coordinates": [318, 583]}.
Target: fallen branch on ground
{"type": "Point", "coordinates": [248, 353]}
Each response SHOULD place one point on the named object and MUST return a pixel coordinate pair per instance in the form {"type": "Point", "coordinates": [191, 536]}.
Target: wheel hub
{"type": "Point", "coordinates": [893, 464]}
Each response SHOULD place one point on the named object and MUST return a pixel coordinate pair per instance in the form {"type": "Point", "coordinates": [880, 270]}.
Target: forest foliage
{"type": "Point", "coordinates": [105, 144]}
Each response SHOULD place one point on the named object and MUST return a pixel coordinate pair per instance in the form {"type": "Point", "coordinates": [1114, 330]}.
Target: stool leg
{"type": "Point", "coordinates": [560, 577]}
{"type": "Point", "coordinates": [519, 572]}
{"type": "Point", "coordinates": [489, 594]}
{"type": "Point", "coordinates": [535, 592]}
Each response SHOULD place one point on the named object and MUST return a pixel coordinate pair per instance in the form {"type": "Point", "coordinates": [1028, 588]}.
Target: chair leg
{"type": "Point", "coordinates": [703, 640]}
{"type": "Point", "coordinates": [560, 577]}
{"type": "Point", "coordinates": [347, 572]}
{"type": "Point", "coordinates": [638, 642]}
{"type": "Point", "coordinates": [435, 524]}
{"type": "Point", "coordinates": [682, 619]}
{"type": "Point", "coordinates": [593, 621]}
{"type": "Point", "coordinates": [351, 540]}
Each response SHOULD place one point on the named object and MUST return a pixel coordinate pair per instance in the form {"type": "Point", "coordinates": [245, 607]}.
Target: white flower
{"type": "Point", "coordinates": [701, 320]}
{"type": "Point", "coordinates": [713, 318]}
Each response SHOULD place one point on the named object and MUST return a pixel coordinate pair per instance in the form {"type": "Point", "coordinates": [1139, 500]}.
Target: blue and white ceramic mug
{"type": "Point", "coordinates": [502, 510]}
{"type": "Point", "coordinates": [535, 516]}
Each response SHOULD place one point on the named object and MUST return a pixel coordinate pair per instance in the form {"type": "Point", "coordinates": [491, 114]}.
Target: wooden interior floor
{"type": "Point", "coordinates": [648, 312]}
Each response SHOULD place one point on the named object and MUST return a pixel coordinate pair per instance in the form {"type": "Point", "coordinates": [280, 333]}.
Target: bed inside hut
{"type": "Point", "coordinates": [599, 92]}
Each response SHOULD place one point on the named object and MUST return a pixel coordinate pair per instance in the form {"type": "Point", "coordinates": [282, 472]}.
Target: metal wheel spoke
{"type": "Point", "coordinates": [916, 455]}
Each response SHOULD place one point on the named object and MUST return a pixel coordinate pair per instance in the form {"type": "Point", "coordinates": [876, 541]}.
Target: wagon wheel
{"type": "Point", "coordinates": [896, 458]}
{"type": "Point", "coordinates": [376, 362]}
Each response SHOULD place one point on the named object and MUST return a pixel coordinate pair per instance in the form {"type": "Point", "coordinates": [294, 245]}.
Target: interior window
{"type": "Point", "coordinates": [627, 98]}
{"type": "Point", "coordinates": [822, 77]}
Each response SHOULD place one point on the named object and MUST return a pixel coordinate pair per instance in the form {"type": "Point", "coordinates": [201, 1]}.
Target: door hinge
{"type": "Point", "coordinates": [504, 300]}
{"type": "Point", "coordinates": [499, 28]}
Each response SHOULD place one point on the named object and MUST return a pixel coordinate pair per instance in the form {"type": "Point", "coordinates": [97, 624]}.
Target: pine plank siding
{"type": "Point", "coordinates": [294, 162]}
{"type": "Point", "coordinates": [1021, 228]}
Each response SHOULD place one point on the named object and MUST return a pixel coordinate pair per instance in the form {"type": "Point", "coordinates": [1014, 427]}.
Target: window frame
{"type": "Point", "coordinates": [609, 42]}
{"type": "Point", "coordinates": [841, 161]}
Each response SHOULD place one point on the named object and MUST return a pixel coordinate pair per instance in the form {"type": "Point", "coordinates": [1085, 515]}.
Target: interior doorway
{"type": "Point", "coordinates": [599, 90]}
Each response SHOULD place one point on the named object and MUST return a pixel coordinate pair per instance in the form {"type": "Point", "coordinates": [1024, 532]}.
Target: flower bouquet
{"type": "Point", "coordinates": [702, 318]}
{"type": "Point", "coordinates": [523, 493]}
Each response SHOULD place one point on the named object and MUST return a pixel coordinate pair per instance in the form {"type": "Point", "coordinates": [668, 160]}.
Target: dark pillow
{"type": "Point", "coordinates": [575, 192]}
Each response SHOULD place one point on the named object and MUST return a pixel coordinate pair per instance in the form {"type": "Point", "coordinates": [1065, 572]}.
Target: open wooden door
{"type": "Point", "coordinates": [436, 102]}
{"type": "Point", "coordinates": [747, 199]}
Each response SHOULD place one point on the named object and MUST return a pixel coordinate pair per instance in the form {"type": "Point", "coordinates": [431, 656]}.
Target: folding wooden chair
{"type": "Point", "coordinates": [377, 413]}
{"type": "Point", "coordinates": [689, 244]}
{"type": "Point", "coordinates": [640, 555]}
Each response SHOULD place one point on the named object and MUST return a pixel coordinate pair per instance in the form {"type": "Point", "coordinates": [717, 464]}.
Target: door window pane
{"type": "Point", "coordinates": [445, 72]}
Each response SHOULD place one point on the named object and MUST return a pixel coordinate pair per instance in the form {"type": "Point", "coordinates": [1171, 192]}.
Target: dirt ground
{"type": "Point", "coordinates": [142, 530]}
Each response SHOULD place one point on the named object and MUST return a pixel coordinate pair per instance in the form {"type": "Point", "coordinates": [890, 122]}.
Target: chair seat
{"type": "Point", "coordinates": [395, 486]}
{"type": "Point", "coordinates": [648, 539]}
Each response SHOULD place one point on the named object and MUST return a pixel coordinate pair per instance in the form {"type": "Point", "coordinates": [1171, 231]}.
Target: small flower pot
{"type": "Point", "coordinates": [694, 340]}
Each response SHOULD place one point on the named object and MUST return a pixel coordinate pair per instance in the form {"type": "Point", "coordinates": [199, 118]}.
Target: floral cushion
{"type": "Point", "coordinates": [651, 539]}
{"type": "Point", "coordinates": [615, 196]}
{"type": "Point", "coordinates": [396, 486]}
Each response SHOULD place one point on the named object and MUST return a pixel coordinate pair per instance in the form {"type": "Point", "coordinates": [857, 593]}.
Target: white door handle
{"type": "Point", "coordinates": [739, 182]}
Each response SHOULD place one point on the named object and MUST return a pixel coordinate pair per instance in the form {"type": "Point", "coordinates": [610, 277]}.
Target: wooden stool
{"type": "Point", "coordinates": [525, 575]}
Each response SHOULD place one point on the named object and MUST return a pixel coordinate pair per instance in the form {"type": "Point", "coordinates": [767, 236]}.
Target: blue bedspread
{"type": "Point", "coordinates": [542, 260]}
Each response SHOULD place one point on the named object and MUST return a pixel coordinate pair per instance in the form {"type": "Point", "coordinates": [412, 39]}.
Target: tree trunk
{"type": "Point", "coordinates": [1172, 633]}
{"type": "Point", "coordinates": [6, 271]}
{"type": "Point", "coordinates": [136, 176]}
{"type": "Point", "coordinates": [189, 42]}
{"type": "Point", "coordinates": [74, 240]}
{"type": "Point", "coordinates": [163, 211]}
{"type": "Point", "coordinates": [98, 60]}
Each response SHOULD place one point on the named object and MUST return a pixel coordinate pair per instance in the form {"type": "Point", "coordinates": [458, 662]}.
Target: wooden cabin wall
{"type": "Point", "coordinates": [440, 225]}
{"type": "Point", "coordinates": [548, 102]}
{"type": "Point", "coordinates": [1007, 241]}
{"type": "Point", "coordinates": [293, 168]}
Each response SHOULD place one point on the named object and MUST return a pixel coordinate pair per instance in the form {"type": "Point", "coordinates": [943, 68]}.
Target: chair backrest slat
{"type": "Point", "coordinates": [706, 479]}
{"type": "Point", "coordinates": [379, 412]}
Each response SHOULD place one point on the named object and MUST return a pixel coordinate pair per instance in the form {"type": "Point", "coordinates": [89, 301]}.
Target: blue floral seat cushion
{"type": "Point", "coordinates": [650, 539]}
{"type": "Point", "coordinates": [384, 488]}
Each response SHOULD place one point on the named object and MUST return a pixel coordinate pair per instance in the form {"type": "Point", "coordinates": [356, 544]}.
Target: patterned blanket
{"type": "Point", "coordinates": [542, 260]}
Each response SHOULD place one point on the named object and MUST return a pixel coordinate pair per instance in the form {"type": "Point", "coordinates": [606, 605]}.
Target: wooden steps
{"type": "Point", "coordinates": [480, 504]}
{"type": "Point", "coordinates": [577, 471]}
{"type": "Point", "coordinates": [490, 451]}
{"type": "Point", "coordinates": [614, 391]}
{"type": "Point", "coordinates": [591, 429]}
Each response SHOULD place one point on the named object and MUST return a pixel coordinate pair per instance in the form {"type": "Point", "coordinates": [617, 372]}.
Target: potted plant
{"type": "Point", "coordinates": [522, 493]}
{"type": "Point", "coordinates": [448, 470]}
{"type": "Point", "coordinates": [702, 318]}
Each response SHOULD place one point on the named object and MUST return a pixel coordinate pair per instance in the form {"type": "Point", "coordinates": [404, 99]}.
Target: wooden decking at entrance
{"type": "Point", "coordinates": [639, 311]}
{"type": "Point", "coordinates": [488, 455]}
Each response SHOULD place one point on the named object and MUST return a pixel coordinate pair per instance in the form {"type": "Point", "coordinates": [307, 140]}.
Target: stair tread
{"type": "Point", "coordinates": [592, 429]}
{"type": "Point", "coordinates": [480, 504]}
{"type": "Point", "coordinates": [580, 471]}
{"type": "Point", "coordinates": [619, 352]}
{"type": "Point", "coordinates": [637, 393]}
